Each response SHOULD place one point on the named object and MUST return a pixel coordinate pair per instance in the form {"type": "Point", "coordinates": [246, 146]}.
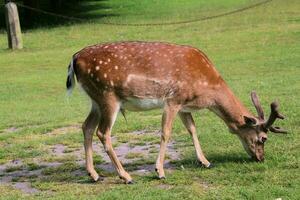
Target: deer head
{"type": "Point", "coordinates": [253, 134]}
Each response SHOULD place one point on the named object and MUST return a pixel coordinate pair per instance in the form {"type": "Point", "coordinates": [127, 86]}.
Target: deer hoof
{"type": "Point", "coordinates": [162, 177]}
{"type": "Point", "coordinates": [95, 178]}
{"type": "Point", "coordinates": [209, 166]}
{"type": "Point", "coordinates": [130, 182]}
{"type": "Point", "coordinates": [99, 179]}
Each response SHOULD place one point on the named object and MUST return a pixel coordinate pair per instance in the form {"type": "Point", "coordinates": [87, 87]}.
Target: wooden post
{"type": "Point", "coordinates": [14, 34]}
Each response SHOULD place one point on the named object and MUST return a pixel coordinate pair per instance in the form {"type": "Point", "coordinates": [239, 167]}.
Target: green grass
{"type": "Point", "coordinates": [256, 49]}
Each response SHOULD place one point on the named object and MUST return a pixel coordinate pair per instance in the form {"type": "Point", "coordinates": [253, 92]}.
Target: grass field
{"type": "Point", "coordinates": [41, 142]}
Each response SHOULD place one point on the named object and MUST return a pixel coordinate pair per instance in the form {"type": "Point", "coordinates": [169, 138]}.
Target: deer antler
{"type": "Point", "coordinates": [277, 129]}
{"type": "Point", "coordinates": [257, 105]}
{"type": "Point", "coordinates": [273, 116]}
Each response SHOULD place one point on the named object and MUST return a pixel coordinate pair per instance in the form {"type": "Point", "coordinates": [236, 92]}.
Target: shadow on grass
{"type": "Point", "coordinates": [88, 10]}
{"type": "Point", "coordinates": [72, 172]}
{"type": "Point", "coordinates": [230, 158]}
{"type": "Point", "coordinates": [215, 159]}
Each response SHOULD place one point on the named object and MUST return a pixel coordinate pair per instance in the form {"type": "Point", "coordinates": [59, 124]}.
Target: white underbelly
{"type": "Point", "coordinates": [136, 104]}
{"type": "Point", "coordinates": [188, 109]}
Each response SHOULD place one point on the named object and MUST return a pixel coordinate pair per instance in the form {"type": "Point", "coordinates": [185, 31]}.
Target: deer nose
{"type": "Point", "coordinates": [263, 139]}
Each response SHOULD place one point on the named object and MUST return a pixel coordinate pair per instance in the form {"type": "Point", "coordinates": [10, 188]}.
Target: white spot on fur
{"type": "Point", "coordinates": [97, 68]}
{"type": "Point", "coordinates": [108, 60]}
{"type": "Point", "coordinates": [100, 61]}
{"type": "Point", "coordinates": [89, 71]}
{"type": "Point", "coordinates": [105, 75]}
{"type": "Point", "coordinates": [116, 67]}
{"type": "Point", "coordinates": [111, 83]}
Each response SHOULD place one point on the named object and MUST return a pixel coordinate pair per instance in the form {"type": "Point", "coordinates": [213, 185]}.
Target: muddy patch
{"type": "Point", "coordinates": [164, 186]}
{"type": "Point", "coordinates": [137, 159]}
{"type": "Point", "coordinates": [14, 171]}
{"type": "Point", "coordinates": [10, 130]}
{"type": "Point", "coordinates": [25, 187]}
{"type": "Point", "coordinates": [64, 130]}
{"type": "Point", "coordinates": [137, 156]}
{"type": "Point", "coordinates": [58, 149]}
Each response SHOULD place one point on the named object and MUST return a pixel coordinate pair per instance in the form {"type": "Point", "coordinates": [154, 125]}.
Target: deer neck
{"type": "Point", "coordinates": [230, 109]}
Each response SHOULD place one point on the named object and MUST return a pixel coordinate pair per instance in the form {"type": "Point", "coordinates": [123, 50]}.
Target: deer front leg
{"type": "Point", "coordinates": [108, 117]}
{"type": "Point", "coordinates": [88, 128]}
{"type": "Point", "coordinates": [189, 123]}
{"type": "Point", "coordinates": [167, 120]}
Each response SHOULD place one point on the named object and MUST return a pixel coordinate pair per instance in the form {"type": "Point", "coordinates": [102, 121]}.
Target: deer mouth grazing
{"type": "Point", "coordinates": [258, 158]}
{"type": "Point", "coordinates": [259, 154]}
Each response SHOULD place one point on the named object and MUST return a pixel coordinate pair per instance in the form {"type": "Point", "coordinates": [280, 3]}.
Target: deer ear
{"type": "Point", "coordinates": [250, 121]}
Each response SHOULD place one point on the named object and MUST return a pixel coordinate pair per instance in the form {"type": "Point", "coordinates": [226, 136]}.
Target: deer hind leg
{"type": "Point", "coordinates": [88, 128]}
{"type": "Point", "coordinates": [189, 123]}
{"type": "Point", "coordinates": [167, 120]}
{"type": "Point", "coordinates": [108, 116]}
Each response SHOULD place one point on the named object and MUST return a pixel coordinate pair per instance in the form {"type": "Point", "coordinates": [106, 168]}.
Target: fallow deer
{"type": "Point", "coordinates": [140, 76]}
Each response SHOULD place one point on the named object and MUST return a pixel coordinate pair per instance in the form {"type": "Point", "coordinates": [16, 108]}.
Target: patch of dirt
{"type": "Point", "coordinates": [140, 132]}
{"type": "Point", "coordinates": [59, 149]}
{"type": "Point", "coordinates": [10, 164]}
{"type": "Point", "coordinates": [165, 186]}
{"type": "Point", "coordinates": [135, 163]}
{"type": "Point", "coordinates": [205, 185]}
{"type": "Point", "coordinates": [64, 130]}
{"type": "Point", "coordinates": [19, 178]}
{"type": "Point", "coordinates": [10, 130]}
{"type": "Point", "coordinates": [25, 187]}
{"type": "Point", "coordinates": [49, 164]}
{"type": "Point", "coordinates": [14, 178]}
{"type": "Point", "coordinates": [122, 151]}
